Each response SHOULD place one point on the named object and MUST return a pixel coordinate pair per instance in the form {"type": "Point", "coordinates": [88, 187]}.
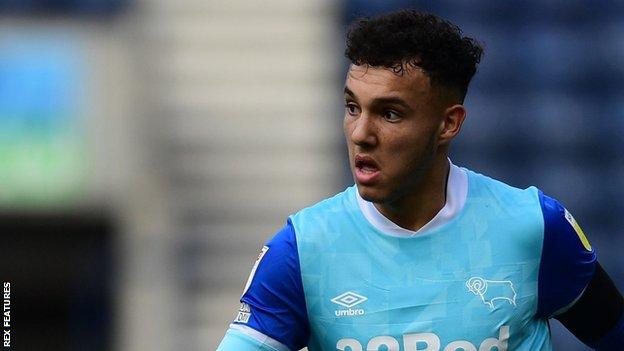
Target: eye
{"type": "Point", "coordinates": [391, 116]}
{"type": "Point", "coordinates": [352, 109]}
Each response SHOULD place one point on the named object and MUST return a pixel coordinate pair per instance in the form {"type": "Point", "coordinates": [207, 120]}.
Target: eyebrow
{"type": "Point", "coordinates": [382, 100]}
{"type": "Point", "coordinates": [348, 91]}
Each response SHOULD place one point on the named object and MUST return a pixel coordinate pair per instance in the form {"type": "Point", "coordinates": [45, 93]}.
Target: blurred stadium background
{"type": "Point", "coordinates": [149, 147]}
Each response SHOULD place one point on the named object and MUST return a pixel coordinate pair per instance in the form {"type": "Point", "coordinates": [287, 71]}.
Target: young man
{"type": "Point", "coordinates": [421, 254]}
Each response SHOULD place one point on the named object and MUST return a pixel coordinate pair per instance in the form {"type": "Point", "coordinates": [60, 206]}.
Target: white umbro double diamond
{"type": "Point", "coordinates": [349, 299]}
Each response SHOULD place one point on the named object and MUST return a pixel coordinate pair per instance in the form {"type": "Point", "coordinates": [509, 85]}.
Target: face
{"type": "Point", "coordinates": [394, 126]}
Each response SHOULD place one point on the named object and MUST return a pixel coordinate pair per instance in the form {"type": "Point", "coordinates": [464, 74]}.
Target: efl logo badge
{"type": "Point", "coordinates": [348, 300]}
{"type": "Point", "coordinates": [578, 230]}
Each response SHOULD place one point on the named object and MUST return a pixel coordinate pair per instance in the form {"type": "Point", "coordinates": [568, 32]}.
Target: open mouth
{"type": "Point", "coordinates": [366, 166]}
{"type": "Point", "coordinates": [366, 169]}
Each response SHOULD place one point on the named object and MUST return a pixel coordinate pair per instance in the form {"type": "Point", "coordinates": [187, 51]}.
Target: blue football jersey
{"type": "Point", "coordinates": [486, 279]}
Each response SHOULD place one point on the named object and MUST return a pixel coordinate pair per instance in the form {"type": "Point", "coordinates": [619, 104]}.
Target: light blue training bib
{"type": "Point", "coordinates": [468, 285]}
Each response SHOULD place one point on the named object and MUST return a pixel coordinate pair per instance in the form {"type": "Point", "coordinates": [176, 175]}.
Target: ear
{"type": "Point", "coordinates": [451, 123]}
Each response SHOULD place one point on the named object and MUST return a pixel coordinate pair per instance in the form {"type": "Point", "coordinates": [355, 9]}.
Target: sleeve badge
{"type": "Point", "coordinates": [578, 230]}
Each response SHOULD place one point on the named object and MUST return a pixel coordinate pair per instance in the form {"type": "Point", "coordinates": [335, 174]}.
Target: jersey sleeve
{"type": "Point", "coordinates": [568, 261]}
{"type": "Point", "coordinates": [273, 301]}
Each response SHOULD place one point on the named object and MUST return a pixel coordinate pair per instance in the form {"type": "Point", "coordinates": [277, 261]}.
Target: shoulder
{"type": "Point", "coordinates": [561, 229]}
{"type": "Point", "coordinates": [567, 262]}
{"type": "Point", "coordinates": [284, 240]}
{"type": "Point", "coordinates": [559, 222]}
{"type": "Point", "coordinates": [273, 301]}
{"type": "Point", "coordinates": [278, 259]}
{"type": "Point", "coordinates": [498, 188]}
{"type": "Point", "coordinates": [502, 196]}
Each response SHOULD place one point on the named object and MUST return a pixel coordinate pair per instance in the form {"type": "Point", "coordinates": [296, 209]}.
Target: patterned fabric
{"type": "Point", "coordinates": [486, 279]}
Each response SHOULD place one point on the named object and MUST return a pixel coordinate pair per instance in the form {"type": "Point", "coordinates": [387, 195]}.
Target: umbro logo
{"type": "Point", "coordinates": [349, 299]}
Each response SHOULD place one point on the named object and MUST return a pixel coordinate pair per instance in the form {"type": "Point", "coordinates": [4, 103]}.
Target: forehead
{"type": "Point", "coordinates": [367, 81]}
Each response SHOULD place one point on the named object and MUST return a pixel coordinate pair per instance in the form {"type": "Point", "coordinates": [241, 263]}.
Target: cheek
{"type": "Point", "coordinates": [409, 149]}
{"type": "Point", "coordinates": [400, 142]}
{"type": "Point", "coordinates": [346, 127]}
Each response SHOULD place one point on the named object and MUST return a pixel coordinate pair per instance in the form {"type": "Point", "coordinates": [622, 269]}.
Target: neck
{"type": "Point", "coordinates": [415, 209]}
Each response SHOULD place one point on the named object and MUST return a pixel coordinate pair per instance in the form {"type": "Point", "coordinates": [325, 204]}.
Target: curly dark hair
{"type": "Point", "coordinates": [407, 38]}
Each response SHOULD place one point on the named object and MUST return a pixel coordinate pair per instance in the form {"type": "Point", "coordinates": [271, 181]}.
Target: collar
{"type": "Point", "coordinates": [456, 193]}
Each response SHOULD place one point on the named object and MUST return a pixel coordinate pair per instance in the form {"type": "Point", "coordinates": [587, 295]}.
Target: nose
{"type": "Point", "coordinates": [364, 131]}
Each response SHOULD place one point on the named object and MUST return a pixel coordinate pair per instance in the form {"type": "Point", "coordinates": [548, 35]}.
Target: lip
{"type": "Point", "coordinates": [366, 169]}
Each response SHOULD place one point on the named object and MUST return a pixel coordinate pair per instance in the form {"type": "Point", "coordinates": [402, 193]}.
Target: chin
{"type": "Point", "coordinates": [370, 194]}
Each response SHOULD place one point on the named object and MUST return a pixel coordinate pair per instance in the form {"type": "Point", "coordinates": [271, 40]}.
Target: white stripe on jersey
{"type": "Point", "coordinates": [258, 336]}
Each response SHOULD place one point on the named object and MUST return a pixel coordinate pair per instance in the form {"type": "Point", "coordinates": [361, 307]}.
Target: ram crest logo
{"type": "Point", "coordinates": [492, 290]}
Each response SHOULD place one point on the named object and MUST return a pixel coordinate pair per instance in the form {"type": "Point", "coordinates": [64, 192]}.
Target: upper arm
{"type": "Point", "coordinates": [568, 261]}
{"type": "Point", "coordinates": [597, 318]}
{"type": "Point", "coordinates": [273, 301]}
{"type": "Point", "coordinates": [572, 285]}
